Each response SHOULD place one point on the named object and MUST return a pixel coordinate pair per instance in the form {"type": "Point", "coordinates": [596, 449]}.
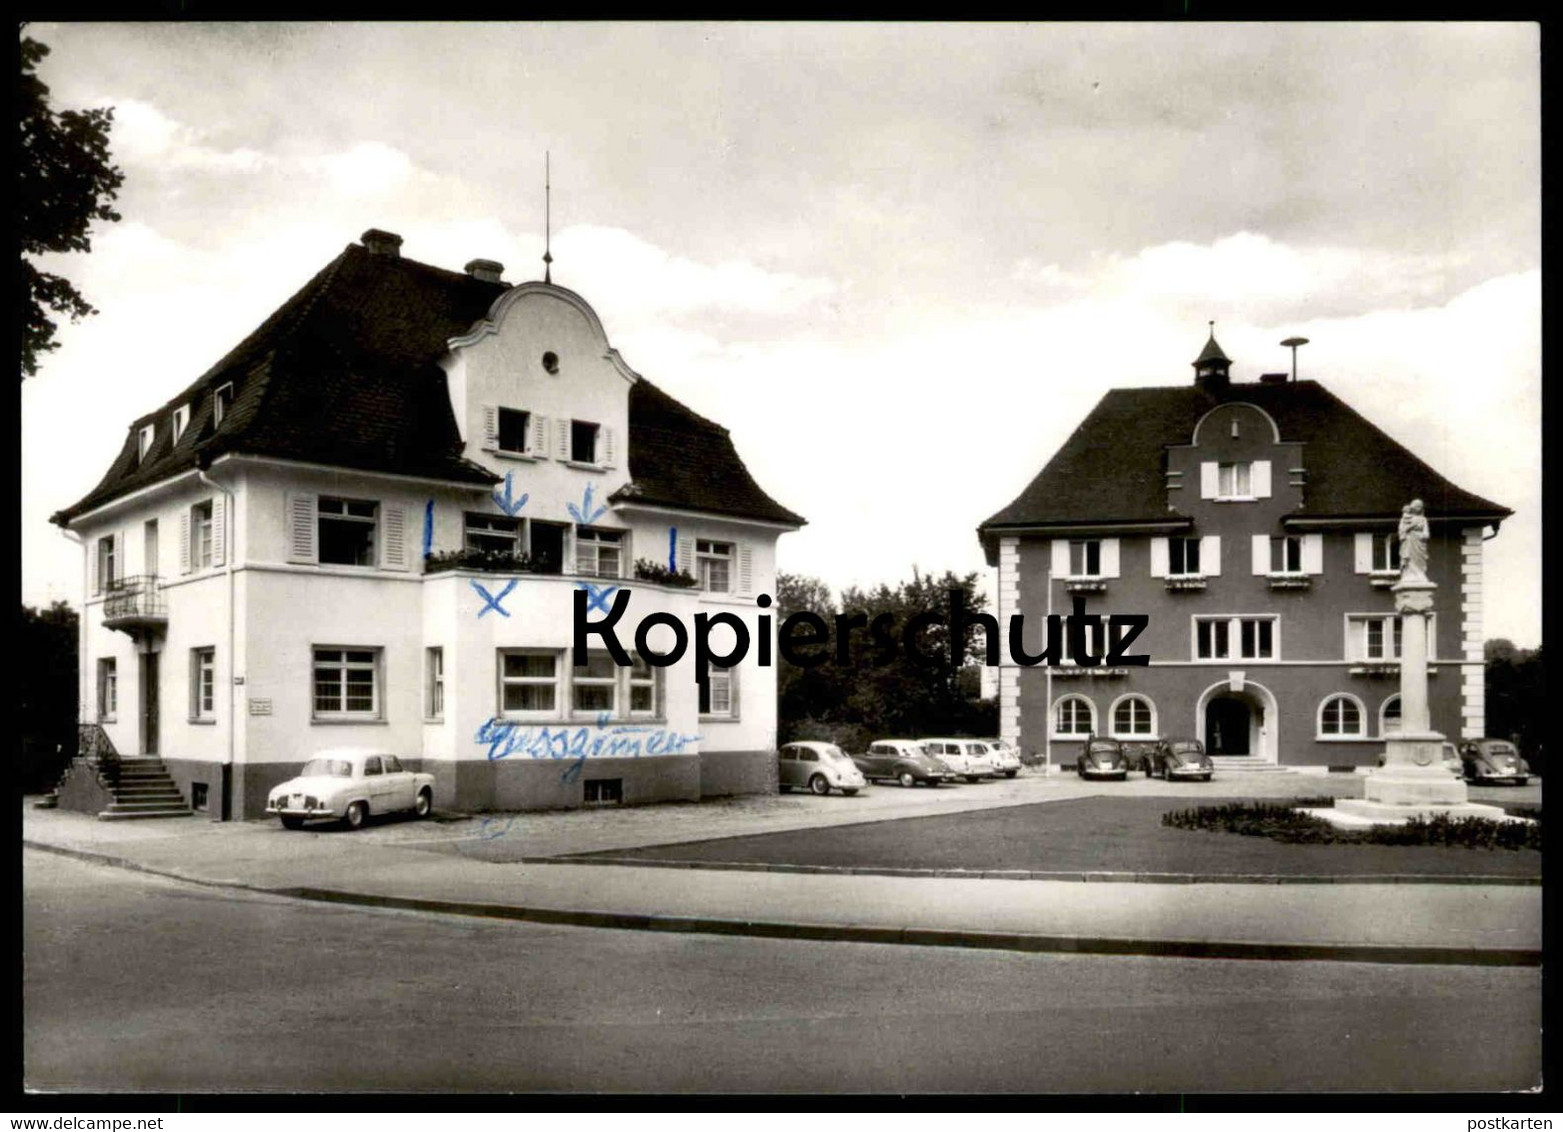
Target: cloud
{"type": "Point", "coordinates": [369, 169]}
{"type": "Point", "coordinates": [143, 134]}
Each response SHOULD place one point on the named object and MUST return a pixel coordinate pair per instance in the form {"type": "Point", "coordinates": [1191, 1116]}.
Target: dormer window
{"type": "Point", "coordinates": [181, 421]}
{"type": "Point", "coordinates": [220, 402]}
{"type": "Point", "coordinates": [144, 442]}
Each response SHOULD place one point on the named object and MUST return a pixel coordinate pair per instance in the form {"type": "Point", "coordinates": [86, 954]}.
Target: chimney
{"type": "Point", "coordinates": [1274, 378]}
{"type": "Point", "coordinates": [382, 243]}
{"type": "Point", "coordinates": [487, 270]}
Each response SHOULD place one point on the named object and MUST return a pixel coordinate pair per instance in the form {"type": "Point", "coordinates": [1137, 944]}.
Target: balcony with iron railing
{"type": "Point", "coordinates": [135, 603]}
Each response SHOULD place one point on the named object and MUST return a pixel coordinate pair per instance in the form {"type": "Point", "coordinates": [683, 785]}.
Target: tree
{"type": "Point", "coordinates": [1516, 698]}
{"type": "Point", "coordinates": [64, 183]}
{"type": "Point", "coordinates": [46, 715]}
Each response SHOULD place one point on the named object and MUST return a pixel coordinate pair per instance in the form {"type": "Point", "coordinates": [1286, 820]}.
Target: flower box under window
{"type": "Point", "coordinates": [1071, 671]}
{"type": "Point", "coordinates": [1176, 583]}
{"type": "Point", "coordinates": [1287, 580]}
{"type": "Point", "coordinates": [1085, 585]}
{"type": "Point", "coordinates": [1382, 579]}
{"type": "Point", "coordinates": [1383, 668]}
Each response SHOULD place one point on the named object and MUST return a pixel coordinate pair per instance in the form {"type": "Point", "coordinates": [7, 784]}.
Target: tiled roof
{"type": "Point", "coordinates": [344, 374]}
{"type": "Point", "coordinates": [1113, 467]}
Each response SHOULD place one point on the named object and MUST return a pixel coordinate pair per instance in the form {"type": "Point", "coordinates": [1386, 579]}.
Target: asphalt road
{"type": "Point", "coordinates": [134, 982]}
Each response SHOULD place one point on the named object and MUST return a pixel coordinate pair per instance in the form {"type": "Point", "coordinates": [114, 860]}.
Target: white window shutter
{"type": "Point", "coordinates": [490, 428]}
{"type": "Point", "coordinates": [562, 443]}
{"type": "Point", "coordinates": [610, 447]}
{"type": "Point", "coordinates": [1209, 480]}
{"type": "Point", "coordinates": [393, 547]}
{"type": "Point", "coordinates": [686, 555]}
{"type": "Point", "coordinates": [537, 441]}
{"type": "Point", "coordinates": [302, 527]}
{"type": "Point", "coordinates": [1313, 554]}
{"type": "Point", "coordinates": [1210, 556]}
{"type": "Point", "coordinates": [1060, 558]}
{"type": "Point", "coordinates": [1160, 558]}
{"type": "Point", "coordinates": [184, 542]}
{"type": "Point", "coordinates": [1363, 541]}
{"type": "Point", "coordinates": [1261, 545]}
{"type": "Point", "coordinates": [1261, 479]}
{"type": "Point", "coordinates": [95, 583]}
{"type": "Point", "coordinates": [219, 540]}
{"type": "Point", "coordinates": [1109, 559]}
{"type": "Point", "coordinates": [745, 569]}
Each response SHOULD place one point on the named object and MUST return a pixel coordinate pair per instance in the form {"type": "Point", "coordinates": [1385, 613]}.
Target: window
{"type": "Point", "coordinates": [108, 563]}
{"type": "Point", "coordinates": [1389, 716]}
{"type": "Point", "coordinates": [144, 442]}
{"type": "Point", "coordinates": [1093, 633]}
{"type": "Point", "coordinates": [203, 684]}
{"type": "Point", "coordinates": [1386, 553]}
{"type": "Point", "coordinates": [643, 687]}
{"type": "Point", "coordinates": [201, 535]}
{"type": "Point", "coordinates": [602, 791]}
{"type": "Point", "coordinates": [594, 686]}
{"type": "Point", "coordinates": [1133, 717]}
{"type": "Point", "coordinates": [714, 565]}
{"type": "Point", "coordinates": [528, 683]}
{"type": "Point", "coordinates": [1254, 638]}
{"type": "Point", "coordinates": [1376, 638]}
{"type": "Point", "coordinates": [372, 766]}
{"type": "Point", "coordinates": [181, 421]}
{"type": "Point", "coordinates": [716, 694]}
{"type": "Point", "coordinates": [149, 546]}
{"type": "Point", "coordinates": [492, 534]}
{"type": "Point", "coordinates": [512, 430]}
{"type": "Point", "coordinates": [347, 683]}
{"type": "Point", "coordinates": [1085, 558]}
{"type": "Point", "coordinates": [1340, 717]}
{"type": "Point", "coordinates": [598, 554]}
{"type": "Point", "coordinates": [220, 403]}
{"type": "Point", "coordinates": [198, 796]}
{"type": "Point", "coordinates": [546, 546]}
{"type": "Point", "coordinates": [1286, 554]}
{"type": "Point", "coordinates": [1182, 556]}
{"type": "Point", "coordinates": [1073, 718]}
{"type": "Point", "coordinates": [583, 442]}
{"type": "Point", "coordinates": [108, 689]}
{"type": "Point", "coordinates": [1235, 481]}
{"type": "Point", "coordinates": [434, 683]}
{"type": "Point", "coordinates": [347, 531]}
{"type": "Point", "coordinates": [393, 765]}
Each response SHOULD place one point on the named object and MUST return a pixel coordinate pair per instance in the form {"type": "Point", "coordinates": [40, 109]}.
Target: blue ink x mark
{"type": "Point", "coordinates": [428, 528]}
{"type": "Point", "coordinates": [584, 514]}
{"type": "Point", "coordinates": [491, 601]}
{"type": "Point", "coordinates": [597, 597]}
{"type": "Point", "coordinates": [510, 504]}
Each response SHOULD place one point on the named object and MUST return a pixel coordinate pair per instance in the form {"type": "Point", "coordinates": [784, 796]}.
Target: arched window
{"type": "Point", "coordinates": [1073, 718]}
{"type": "Point", "coordinates": [1342, 717]}
{"type": "Point", "coordinates": [1134, 717]}
{"type": "Point", "coordinates": [1389, 716]}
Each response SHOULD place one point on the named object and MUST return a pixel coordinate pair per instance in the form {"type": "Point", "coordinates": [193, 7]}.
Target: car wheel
{"type": "Point", "coordinates": [849, 790]}
{"type": "Point", "coordinates": [818, 785]}
{"type": "Point", "coordinates": [785, 789]}
{"type": "Point", "coordinates": [1009, 774]}
{"type": "Point", "coordinates": [291, 822]}
{"type": "Point", "coordinates": [356, 813]}
{"type": "Point", "coordinates": [1205, 778]}
{"type": "Point", "coordinates": [424, 806]}
{"type": "Point", "coordinates": [973, 778]}
{"type": "Point", "coordinates": [1521, 781]}
{"type": "Point", "coordinates": [907, 779]}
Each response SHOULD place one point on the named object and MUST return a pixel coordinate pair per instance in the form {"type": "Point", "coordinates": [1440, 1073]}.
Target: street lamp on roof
{"type": "Point", "coordinates": [1294, 343]}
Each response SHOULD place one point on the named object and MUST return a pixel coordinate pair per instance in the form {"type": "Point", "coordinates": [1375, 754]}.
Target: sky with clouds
{"type": "Point", "coordinates": [899, 263]}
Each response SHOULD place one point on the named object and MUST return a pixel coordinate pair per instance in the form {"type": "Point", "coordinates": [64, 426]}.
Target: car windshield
{"type": "Point", "coordinates": [327, 768]}
{"type": "Point", "coordinates": [1191, 749]}
{"type": "Point", "coordinates": [1103, 749]}
{"type": "Point", "coordinates": [1503, 750]}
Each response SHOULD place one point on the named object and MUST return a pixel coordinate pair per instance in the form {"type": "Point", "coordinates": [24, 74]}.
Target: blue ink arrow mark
{"type": "Point", "coordinates": [584, 515]}
{"type": "Point", "coordinates": [492, 601]}
{"type": "Point", "coordinates": [428, 528]}
{"type": "Point", "coordinates": [672, 550]}
{"type": "Point", "coordinates": [510, 504]}
{"type": "Point", "coordinates": [597, 597]}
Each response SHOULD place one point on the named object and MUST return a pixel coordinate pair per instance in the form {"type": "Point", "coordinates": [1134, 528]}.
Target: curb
{"type": "Point", "coordinates": [1092, 877]}
{"type": "Point", "coordinates": [862, 933]}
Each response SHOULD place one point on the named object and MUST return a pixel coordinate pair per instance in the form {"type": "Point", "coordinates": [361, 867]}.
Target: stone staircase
{"type": "Point", "coordinates": [1247, 764]}
{"type": "Point", "coordinates": [145, 790]}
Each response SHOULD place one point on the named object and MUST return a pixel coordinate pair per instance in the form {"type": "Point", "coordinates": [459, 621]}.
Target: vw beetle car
{"type": "Point", "coordinates": [1493, 761]}
{"type": "Point", "coordinates": [968, 758]}
{"type": "Point", "coordinates": [1180, 758]}
{"type": "Point", "coordinates": [1005, 757]}
{"type": "Point", "coordinates": [904, 760]}
{"type": "Point", "coordinates": [1102, 758]}
{"type": "Point", "coordinates": [349, 784]}
{"type": "Point", "coordinates": [1451, 760]}
{"type": "Point", "coordinates": [818, 766]}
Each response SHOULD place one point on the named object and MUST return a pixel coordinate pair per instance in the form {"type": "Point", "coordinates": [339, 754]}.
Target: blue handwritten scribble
{"type": "Point", "coordinates": [672, 550]}
{"type": "Point", "coordinates": [428, 528]}
{"type": "Point", "coordinates": [490, 828]}
{"type": "Point", "coordinates": [508, 503]}
{"type": "Point", "coordinates": [492, 601]}
{"type": "Point", "coordinates": [584, 514]}
{"type": "Point", "coordinates": [597, 597]}
{"type": "Point", "coordinates": [505, 738]}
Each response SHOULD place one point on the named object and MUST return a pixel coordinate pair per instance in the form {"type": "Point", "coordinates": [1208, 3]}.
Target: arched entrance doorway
{"type": "Point", "coordinates": [1237, 719]}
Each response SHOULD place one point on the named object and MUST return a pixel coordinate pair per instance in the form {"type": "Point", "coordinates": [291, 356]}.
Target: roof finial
{"type": "Point", "coordinates": [548, 258]}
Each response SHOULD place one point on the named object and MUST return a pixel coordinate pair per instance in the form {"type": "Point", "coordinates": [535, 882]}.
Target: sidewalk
{"type": "Point", "coordinates": [1422, 923]}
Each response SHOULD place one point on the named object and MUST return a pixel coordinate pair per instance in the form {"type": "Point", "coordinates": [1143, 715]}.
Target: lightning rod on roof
{"type": "Point", "coordinates": [548, 258]}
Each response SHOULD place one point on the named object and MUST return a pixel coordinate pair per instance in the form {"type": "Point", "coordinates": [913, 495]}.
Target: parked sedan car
{"type": "Point", "coordinates": [1005, 757]}
{"type": "Point", "coordinates": [1451, 761]}
{"type": "Point", "coordinates": [1180, 758]}
{"type": "Point", "coordinates": [968, 758]}
{"type": "Point", "coordinates": [1102, 758]}
{"type": "Point", "coordinates": [904, 760]}
{"type": "Point", "coordinates": [348, 785]}
{"type": "Point", "coordinates": [1492, 761]}
{"type": "Point", "coordinates": [818, 766]}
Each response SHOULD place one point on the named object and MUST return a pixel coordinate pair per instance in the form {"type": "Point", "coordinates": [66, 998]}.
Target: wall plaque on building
{"type": "Point", "coordinates": [260, 707]}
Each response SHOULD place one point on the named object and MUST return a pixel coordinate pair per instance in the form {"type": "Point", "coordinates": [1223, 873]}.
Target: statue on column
{"type": "Point", "coordinates": [1413, 543]}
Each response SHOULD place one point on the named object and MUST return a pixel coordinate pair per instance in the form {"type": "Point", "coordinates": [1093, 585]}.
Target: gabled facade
{"type": "Point", "coordinates": [366, 526]}
{"type": "Point", "coordinates": [1255, 525]}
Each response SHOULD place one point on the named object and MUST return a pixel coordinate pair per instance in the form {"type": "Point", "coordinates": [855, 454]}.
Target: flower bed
{"type": "Point", "coordinates": [1288, 823]}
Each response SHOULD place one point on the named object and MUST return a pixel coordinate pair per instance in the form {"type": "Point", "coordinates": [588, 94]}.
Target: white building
{"type": "Point", "coordinates": [366, 526]}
